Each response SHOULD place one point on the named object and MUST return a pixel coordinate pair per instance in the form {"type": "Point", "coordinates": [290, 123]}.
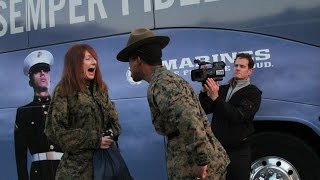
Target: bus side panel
{"type": "Point", "coordinates": [142, 148]}
{"type": "Point", "coordinates": [285, 71]}
{"type": "Point", "coordinates": [297, 20]}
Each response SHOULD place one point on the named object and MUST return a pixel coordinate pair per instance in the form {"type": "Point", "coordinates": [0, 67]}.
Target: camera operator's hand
{"type": "Point", "coordinates": [204, 89]}
{"type": "Point", "coordinates": [212, 88]}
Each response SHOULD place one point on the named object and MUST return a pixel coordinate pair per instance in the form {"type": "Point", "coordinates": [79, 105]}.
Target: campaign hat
{"type": "Point", "coordinates": [37, 58]}
{"type": "Point", "coordinates": [138, 38]}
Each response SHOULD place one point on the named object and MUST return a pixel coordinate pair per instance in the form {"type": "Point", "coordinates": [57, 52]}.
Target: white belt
{"type": "Point", "coordinates": [52, 155]}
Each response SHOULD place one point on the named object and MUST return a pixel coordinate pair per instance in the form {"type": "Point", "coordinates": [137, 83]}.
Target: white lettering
{"type": "Point", "coordinates": [101, 9]}
{"type": "Point", "coordinates": [158, 4]}
{"type": "Point", "coordinates": [189, 2]}
{"type": "Point", "coordinates": [171, 65]}
{"type": "Point", "coordinates": [267, 64]}
{"type": "Point", "coordinates": [147, 5]}
{"type": "Point", "coordinates": [258, 65]}
{"type": "Point", "coordinates": [262, 54]}
{"type": "Point", "coordinates": [72, 12]}
{"type": "Point", "coordinates": [125, 7]}
{"type": "Point", "coordinates": [226, 56]}
{"type": "Point", "coordinates": [52, 9]}
{"type": "Point", "coordinates": [186, 62]}
{"type": "Point", "coordinates": [34, 14]}
{"type": "Point", "coordinates": [185, 72]}
{"type": "Point", "coordinates": [13, 15]}
{"type": "Point", "coordinates": [262, 64]}
{"type": "Point", "coordinates": [3, 20]}
{"type": "Point", "coordinates": [215, 57]}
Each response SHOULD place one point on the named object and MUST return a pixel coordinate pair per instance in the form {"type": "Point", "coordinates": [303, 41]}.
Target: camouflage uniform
{"type": "Point", "coordinates": [76, 123]}
{"type": "Point", "coordinates": [175, 108]}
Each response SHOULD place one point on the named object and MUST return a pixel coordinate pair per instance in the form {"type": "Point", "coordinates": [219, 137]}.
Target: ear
{"type": "Point", "coordinates": [139, 60]}
{"type": "Point", "coordinates": [30, 83]}
{"type": "Point", "coordinates": [250, 71]}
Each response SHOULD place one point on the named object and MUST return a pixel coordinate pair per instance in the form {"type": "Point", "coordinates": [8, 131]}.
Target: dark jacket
{"type": "Point", "coordinates": [232, 121]}
{"type": "Point", "coordinates": [28, 134]}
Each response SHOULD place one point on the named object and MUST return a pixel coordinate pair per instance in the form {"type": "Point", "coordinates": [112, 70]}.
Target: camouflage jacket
{"type": "Point", "coordinates": [76, 123]}
{"type": "Point", "coordinates": [175, 107]}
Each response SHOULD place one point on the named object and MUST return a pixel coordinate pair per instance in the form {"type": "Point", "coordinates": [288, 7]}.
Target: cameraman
{"type": "Point", "coordinates": [233, 106]}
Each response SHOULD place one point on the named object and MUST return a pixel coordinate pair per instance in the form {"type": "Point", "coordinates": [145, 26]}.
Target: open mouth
{"type": "Point", "coordinates": [91, 70]}
{"type": "Point", "coordinates": [90, 73]}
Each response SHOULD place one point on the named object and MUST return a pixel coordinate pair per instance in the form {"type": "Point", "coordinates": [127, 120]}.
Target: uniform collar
{"type": "Point", "coordinates": [158, 71]}
{"type": "Point", "coordinates": [41, 99]}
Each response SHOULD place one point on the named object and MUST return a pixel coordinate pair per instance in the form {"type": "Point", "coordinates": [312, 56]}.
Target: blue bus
{"type": "Point", "coordinates": [282, 36]}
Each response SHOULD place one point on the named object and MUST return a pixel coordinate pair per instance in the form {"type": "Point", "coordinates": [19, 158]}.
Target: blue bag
{"type": "Point", "coordinates": [108, 164]}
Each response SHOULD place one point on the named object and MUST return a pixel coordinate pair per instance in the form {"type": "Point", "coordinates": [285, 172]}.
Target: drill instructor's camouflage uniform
{"type": "Point", "coordinates": [76, 123]}
{"type": "Point", "coordinates": [175, 108]}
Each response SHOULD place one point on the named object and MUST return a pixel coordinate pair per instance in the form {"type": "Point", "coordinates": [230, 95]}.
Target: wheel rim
{"type": "Point", "coordinates": [273, 168]}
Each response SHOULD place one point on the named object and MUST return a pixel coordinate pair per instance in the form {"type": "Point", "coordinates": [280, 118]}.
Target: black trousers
{"type": "Point", "coordinates": [240, 165]}
{"type": "Point", "coordinates": [41, 170]}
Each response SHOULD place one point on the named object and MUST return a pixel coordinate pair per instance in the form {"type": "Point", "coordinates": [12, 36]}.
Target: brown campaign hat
{"type": "Point", "coordinates": [138, 38]}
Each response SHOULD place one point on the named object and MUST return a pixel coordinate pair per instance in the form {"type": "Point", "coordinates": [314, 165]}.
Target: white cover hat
{"type": "Point", "coordinates": [36, 57]}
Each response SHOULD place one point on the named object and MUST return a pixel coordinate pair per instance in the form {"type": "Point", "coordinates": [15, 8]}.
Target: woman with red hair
{"type": "Point", "coordinates": [80, 112]}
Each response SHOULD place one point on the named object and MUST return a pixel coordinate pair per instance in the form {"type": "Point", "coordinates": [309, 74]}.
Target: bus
{"type": "Point", "coordinates": [283, 37]}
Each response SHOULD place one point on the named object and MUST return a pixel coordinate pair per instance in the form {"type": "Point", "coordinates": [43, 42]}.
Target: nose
{"type": "Point", "coordinates": [237, 67]}
{"type": "Point", "coordinates": [93, 61]}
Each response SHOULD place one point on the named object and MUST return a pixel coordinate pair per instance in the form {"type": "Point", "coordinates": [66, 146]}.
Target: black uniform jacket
{"type": "Point", "coordinates": [232, 121]}
{"type": "Point", "coordinates": [28, 134]}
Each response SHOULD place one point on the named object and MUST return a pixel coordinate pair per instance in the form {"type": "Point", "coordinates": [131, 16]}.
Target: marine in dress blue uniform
{"type": "Point", "coordinates": [30, 122]}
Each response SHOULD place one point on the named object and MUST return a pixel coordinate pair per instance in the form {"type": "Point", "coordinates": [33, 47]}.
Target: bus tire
{"type": "Point", "coordinates": [290, 148]}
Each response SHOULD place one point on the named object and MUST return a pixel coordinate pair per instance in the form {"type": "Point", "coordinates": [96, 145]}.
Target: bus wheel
{"type": "Point", "coordinates": [278, 155]}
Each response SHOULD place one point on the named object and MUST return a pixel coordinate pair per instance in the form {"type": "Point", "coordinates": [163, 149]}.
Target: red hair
{"type": "Point", "coordinates": [72, 76]}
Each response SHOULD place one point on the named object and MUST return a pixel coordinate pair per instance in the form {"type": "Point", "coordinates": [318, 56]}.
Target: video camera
{"type": "Point", "coordinates": [216, 72]}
